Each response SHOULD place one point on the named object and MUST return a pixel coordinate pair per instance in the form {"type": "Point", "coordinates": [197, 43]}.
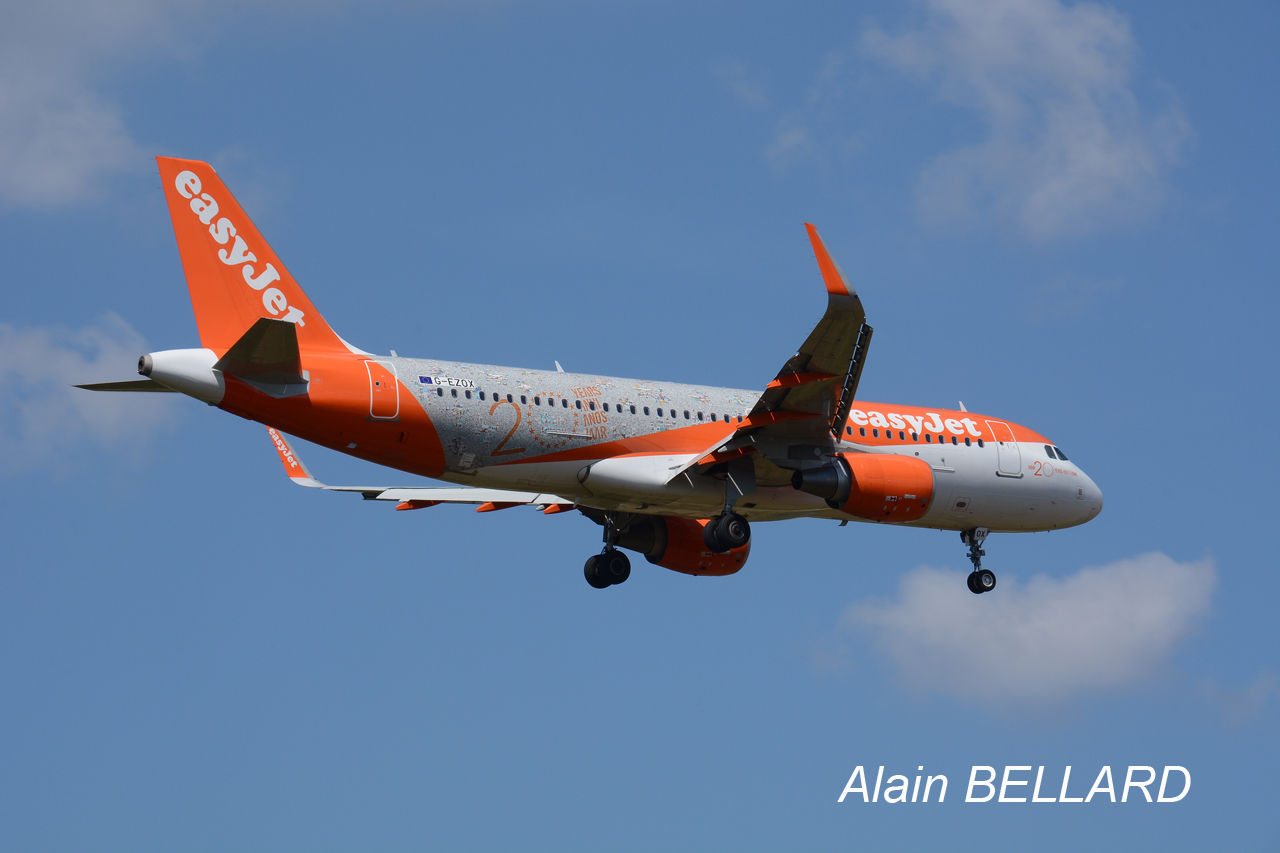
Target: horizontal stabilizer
{"type": "Point", "coordinates": [267, 353]}
{"type": "Point", "coordinates": [131, 385]}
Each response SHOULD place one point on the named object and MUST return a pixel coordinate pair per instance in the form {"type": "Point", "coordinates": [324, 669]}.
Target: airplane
{"type": "Point", "coordinates": [676, 472]}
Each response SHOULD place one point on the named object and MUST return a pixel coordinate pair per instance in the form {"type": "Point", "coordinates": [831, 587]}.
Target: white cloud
{"type": "Point", "coordinates": [44, 417]}
{"type": "Point", "coordinates": [60, 135]}
{"type": "Point", "coordinates": [1041, 642]}
{"type": "Point", "coordinates": [1067, 146]}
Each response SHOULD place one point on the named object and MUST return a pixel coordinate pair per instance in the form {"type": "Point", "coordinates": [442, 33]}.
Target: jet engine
{"type": "Point", "coordinates": [875, 486]}
{"type": "Point", "coordinates": [676, 544]}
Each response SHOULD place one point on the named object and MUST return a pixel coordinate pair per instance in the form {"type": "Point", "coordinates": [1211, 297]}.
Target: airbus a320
{"type": "Point", "coordinates": [673, 471]}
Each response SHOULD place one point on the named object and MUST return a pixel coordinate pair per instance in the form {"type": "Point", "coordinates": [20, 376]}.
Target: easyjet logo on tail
{"type": "Point", "coordinates": [206, 208]}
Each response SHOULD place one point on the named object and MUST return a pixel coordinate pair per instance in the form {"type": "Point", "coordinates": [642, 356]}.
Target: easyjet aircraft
{"type": "Point", "coordinates": [675, 472]}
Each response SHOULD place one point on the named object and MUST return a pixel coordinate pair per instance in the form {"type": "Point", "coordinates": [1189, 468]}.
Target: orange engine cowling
{"type": "Point", "coordinates": [676, 544]}
{"type": "Point", "coordinates": [876, 486]}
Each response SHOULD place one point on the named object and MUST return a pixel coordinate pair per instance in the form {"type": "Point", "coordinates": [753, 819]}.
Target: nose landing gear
{"type": "Point", "coordinates": [980, 580]}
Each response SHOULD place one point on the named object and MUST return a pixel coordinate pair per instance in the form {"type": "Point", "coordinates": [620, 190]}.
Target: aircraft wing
{"type": "Point", "coordinates": [820, 380]}
{"type": "Point", "coordinates": [812, 394]}
{"type": "Point", "coordinates": [418, 498]}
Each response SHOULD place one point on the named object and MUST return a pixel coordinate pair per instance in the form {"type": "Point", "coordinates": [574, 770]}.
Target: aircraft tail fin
{"type": "Point", "coordinates": [232, 274]}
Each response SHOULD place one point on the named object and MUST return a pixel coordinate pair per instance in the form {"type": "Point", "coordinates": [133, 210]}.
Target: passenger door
{"type": "Point", "coordinates": [1010, 458]}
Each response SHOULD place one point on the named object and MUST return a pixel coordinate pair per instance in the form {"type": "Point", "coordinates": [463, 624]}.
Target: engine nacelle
{"type": "Point", "coordinates": [676, 544]}
{"type": "Point", "coordinates": [876, 486]}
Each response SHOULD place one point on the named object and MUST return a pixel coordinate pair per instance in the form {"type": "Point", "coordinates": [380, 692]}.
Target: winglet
{"type": "Point", "coordinates": [837, 284]}
{"type": "Point", "coordinates": [292, 464]}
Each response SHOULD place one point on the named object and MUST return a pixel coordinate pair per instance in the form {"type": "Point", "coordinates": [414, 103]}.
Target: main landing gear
{"type": "Point", "coordinates": [980, 580]}
{"type": "Point", "coordinates": [610, 566]}
{"type": "Point", "coordinates": [727, 532]}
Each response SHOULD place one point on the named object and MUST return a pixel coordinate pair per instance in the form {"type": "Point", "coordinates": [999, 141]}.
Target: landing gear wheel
{"type": "Point", "coordinates": [980, 580]}
{"type": "Point", "coordinates": [711, 538]}
{"type": "Point", "coordinates": [727, 532]}
{"type": "Point", "coordinates": [733, 531]}
{"type": "Point", "coordinates": [613, 567]}
{"type": "Point", "coordinates": [984, 580]}
{"type": "Point", "coordinates": [590, 570]}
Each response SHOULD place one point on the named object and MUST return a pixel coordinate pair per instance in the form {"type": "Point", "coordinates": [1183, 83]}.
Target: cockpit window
{"type": "Point", "coordinates": [1049, 450]}
{"type": "Point", "coordinates": [1061, 455]}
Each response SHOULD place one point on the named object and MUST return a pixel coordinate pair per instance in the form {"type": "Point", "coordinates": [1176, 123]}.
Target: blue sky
{"type": "Point", "coordinates": [1058, 213]}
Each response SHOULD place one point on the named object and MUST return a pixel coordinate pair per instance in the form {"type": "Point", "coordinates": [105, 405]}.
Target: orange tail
{"type": "Point", "coordinates": [233, 275]}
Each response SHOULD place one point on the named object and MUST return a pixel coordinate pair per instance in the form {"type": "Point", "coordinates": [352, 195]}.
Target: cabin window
{"type": "Point", "coordinates": [981, 443]}
{"type": "Point", "coordinates": [509, 400]}
{"type": "Point", "coordinates": [876, 433]}
{"type": "Point", "coordinates": [1061, 455]}
{"type": "Point", "coordinates": [659, 412]}
{"type": "Point", "coordinates": [928, 438]}
{"type": "Point", "coordinates": [686, 414]}
{"type": "Point", "coordinates": [967, 442]}
{"type": "Point", "coordinates": [713, 416]}
{"type": "Point", "coordinates": [699, 415]}
{"type": "Point", "coordinates": [915, 437]}
{"type": "Point", "coordinates": [902, 436]}
{"type": "Point", "coordinates": [564, 403]}
{"type": "Point", "coordinates": [523, 401]}
{"type": "Point", "coordinates": [739, 418]}
{"type": "Point", "coordinates": [633, 410]}
{"type": "Point", "coordinates": [453, 391]}
{"type": "Point", "coordinates": [591, 405]}
{"type": "Point", "coordinates": [646, 411]}
{"type": "Point", "coordinates": [577, 403]}
{"type": "Point", "coordinates": [862, 431]}
{"type": "Point", "coordinates": [953, 440]}
{"type": "Point", "coordinates": [848, 430]}
{"type": "Point", "coordinates": [481, 393]}
{"type": "Point", "coordinates": [537, 401]}
{"type": "Point", "coordinates": [468, 393]}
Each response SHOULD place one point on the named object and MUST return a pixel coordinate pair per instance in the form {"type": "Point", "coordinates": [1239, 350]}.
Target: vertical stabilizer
{"type": "Point", "coordinates": [233, 276]}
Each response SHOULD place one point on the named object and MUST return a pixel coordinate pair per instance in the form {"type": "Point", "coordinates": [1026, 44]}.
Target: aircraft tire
{"type": "Point", "coordinates": [613, 566]}
{"type": "Point", "coordinates": [971, 583]}
{"type": "Point", "coordinates": [711, 536]}
{"type": "Point", "coordinates": [984, 580]}
{"type": "Point", "coordinates": [591, 573]}
{"type": "Point", "coordinates": [733, 531]}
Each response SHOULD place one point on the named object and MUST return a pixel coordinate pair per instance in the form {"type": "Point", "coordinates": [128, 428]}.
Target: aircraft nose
{"type": "Point", "coordinates": [1093, 499]}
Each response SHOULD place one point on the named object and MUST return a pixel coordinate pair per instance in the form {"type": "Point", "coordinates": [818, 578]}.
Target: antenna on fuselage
{"type": "Point", "coordinates": [962, 408]}
{"type": "Point", "coordinates": [559, 369]}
